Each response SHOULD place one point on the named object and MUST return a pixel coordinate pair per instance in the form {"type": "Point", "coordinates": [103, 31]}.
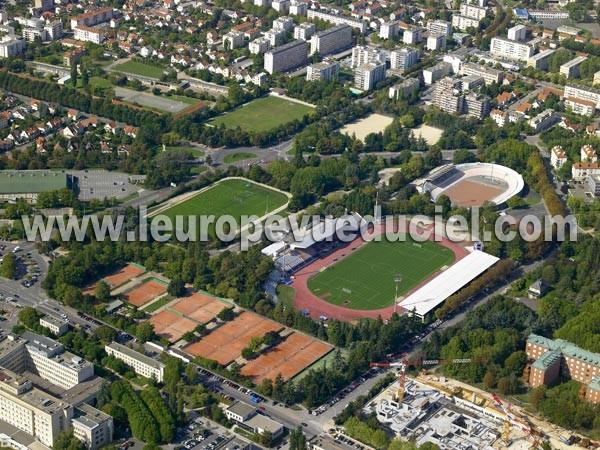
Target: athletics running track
{"type": "Point", "coordinates": [305, 299]}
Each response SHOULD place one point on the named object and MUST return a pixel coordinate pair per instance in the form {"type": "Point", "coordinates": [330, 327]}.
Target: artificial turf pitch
{"type": "Point", "coordinates": [263, 114]}
{"type": "Point", "coordinates": [233, 197]}
{"type": "Point", "coordinates": [365, 278]}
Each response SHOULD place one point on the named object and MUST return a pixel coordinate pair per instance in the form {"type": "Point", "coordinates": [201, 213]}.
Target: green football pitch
{"type": "Point", "coordinates": [233, 197]}
{"type": "Point", "coordinates": [365, 278]}
{"type": "Point", "coordinates": [263, 114]}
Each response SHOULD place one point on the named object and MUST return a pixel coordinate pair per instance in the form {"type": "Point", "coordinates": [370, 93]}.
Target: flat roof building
{"type": "Point", "coordinates": [325, 70]}
{"type": "Point", "coordinates": [572, 69]}
{"type": "Point", "coordinates": [286, 57]}
{"type": "Point", "coordinates": [92, 426]}
{"type": "Point", "coordinates": [541, 60]}
{"type": "Point", "coordinates": [336, 19]}
{"type": "Point", "coordinates": [140, 363]}
{"type": "Point", "coordinates": [56, 325]}
{"type": "Point", "coordinates": [332, 40]}
{"type": "Point", "coordinates": [513, 50]}
{"type": "Point", "coordinates": [27, 184]}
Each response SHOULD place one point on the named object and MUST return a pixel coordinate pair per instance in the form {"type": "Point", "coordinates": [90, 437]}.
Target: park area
{"type": "Point", "coordinates": [263, 114]}
{"type": "Point", "coordinates": [373, 123]}
{"type": "Point", "coordinates": [289, 358]}
{"type": "Point", "coordinates": [147, 291]}
{"type": "Point", "coordinates": [235, 197]}
{"type": "Point", "coordinates": [185, 315]}
{"type": "Point", "coordinates": [138, 68]}
{"type": "Point", "coordinates": [225, 343]}
{"type": "Point", "coordinates": [364, 280]}
{"type": "Point", "coordinates": [118, 277]}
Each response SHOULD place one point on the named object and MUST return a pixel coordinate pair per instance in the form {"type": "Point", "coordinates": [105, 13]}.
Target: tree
{"type": "Point", "coordinates": [144, 331]}
{"type": "Point", "coordinates": [489, 380]}
{"type": "Point", "coordinates": [102, 292]}
{"type": "Point", "coordinates": [176, 288]}
{"type": "Point", "coordinates": [191, 373]}
{"type": "Point", "coordinates": [66, 440]}
{"type": "Point", "coordinates": [189, 336]}
{"type": "Point", "coordinates": [226, 314]}
{"type": "Point", "coordinates": [74, 74]}
{"type": "Point", "coordinates": [85, 79]}
{"type": "Point", "coordinates": [8, 268]}
{"type": "Point", "coordinates": [105, 333]}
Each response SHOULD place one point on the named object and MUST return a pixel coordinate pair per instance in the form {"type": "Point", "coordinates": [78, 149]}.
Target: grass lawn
{"type": "Point", "coordinates": [263, 114]}
{"type": "Point", "coordinates": [235, 157]}
{"type": "Point", "coordinates": [158, 304]}
{"type": "Point", "coordinates": [184, 99]}
{"type": "Point", "coordinates": [197, 170]}
{"type": "Point", "coordinates": [233, 197]}
{"type": "Point", "coordinates": [286, 295]}
{"type": "Point", "coordinates": [194, 151]}
{"type": "Point", "coordinates": [365, 279]}
{"type": "Point", "coordinates": [138, 68]}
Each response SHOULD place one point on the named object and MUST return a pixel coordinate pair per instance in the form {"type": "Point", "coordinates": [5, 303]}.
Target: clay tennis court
{"type": "Point", "coordinates": [144, 293]}
{"type": "Point", "coordinates": [471, 193]}
{"type": "Point", "coordinates": [289, 358]}
{"type": "Point", "coordinates": [118, 278]}
{"type": "Point", "coordinates": [199, 307]}
{"type": "Point", "coordinates": [225, 344]}
{"type": "Point", "coordinates": [171, 326]}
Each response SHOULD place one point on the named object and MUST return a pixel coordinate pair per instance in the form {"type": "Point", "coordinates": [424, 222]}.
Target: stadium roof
{"type": "Point", "coordinates": [31, 181]}
{"type": "Point", "coordinates": [428, 297]}
{"type": "Point", "coordinates": [325, 230]}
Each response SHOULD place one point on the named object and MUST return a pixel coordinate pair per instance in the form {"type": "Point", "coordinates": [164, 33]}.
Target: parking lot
{"type": "Point", "coordinates": [101, 184]}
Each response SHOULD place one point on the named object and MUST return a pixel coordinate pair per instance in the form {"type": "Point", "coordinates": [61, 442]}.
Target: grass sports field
{"type": "Point", "coordinates": [365, 279]}
{"type": "Point", "coordinates": [138, 68]}
{"type": "Point", "coordinates": [263, 114]}
{"type": "Point", "coordinates": [233, 197]}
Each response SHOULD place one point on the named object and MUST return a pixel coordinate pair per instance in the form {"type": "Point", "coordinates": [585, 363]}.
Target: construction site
{"type": "Point", "coordinates": [453, 415]}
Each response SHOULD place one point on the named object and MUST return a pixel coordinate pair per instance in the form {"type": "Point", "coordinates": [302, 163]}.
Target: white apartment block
{"type": "Point", "coordinates": [441, 27]}
{"type": "Point", "coordinates": [11, 46]}
{"type": "Point", "coordinates": [31, 33]}
{"type": "Point", "coordinates": [588, 154]}
{"type": "Point", "coordinates": [447, 96]}
{"type": "Point", "coordinates": [54, 30]}
{"type": "Point", "coordinates": [474, 11]}
{"type": "Point", "coordinates": [432, 74]}
{"type": "Point", "coordinates": [259, 46]}
{"type": "Point", "coordinates": [275, 37]}
{"type": "Point", "coordinates": [406, 87]}
{"type": "Point", "coordinates": [234, 39]}
{"type": "Point", "coordinates": [92, 18]}
{"type": "Point", "coordinates": [413, 36]}
{"type": "Point", "coordinates": [56, 325]}
{"type": "Point", "coordinates": [597, 78]}
{"type": "Point", "coordinates": [93, 427]}
{"type": "Point", "coordinates": [368, 75]}
{"type": "Point", "coordinates": [558, 157]}
{"type": "Point", "coordinates": [404, 58]}
{"type": "Point", "coordinates": [262, 2]}
{"type": "Point", "coordinates": [281, 6]}
{"type": "Point", "coordinates": [140, 363]}
{"type": "Point", "coordinates": [298, 9]}
{"type": "Point", "coordinates": [389, 30]}
{"type": "Point", "coordinates": [332, 40]}
{"type": "Point", "coordinates": [580, 106]}
{"type": "Point", "coordinates": [517, 33]}
{"type": "Point", "coordinates": [364, 54]}
{"type": "Point", "coordinates": [471, 82]}
{"type": "Point", "coordinates": [544, 120]}
{"type": "Point", "coordinates": [89, 34]}
{"type": "Point", "coordinates": [436, 42]}
{"type": "Point", "coordinates": [583, 93]}
{"type": "Point", "coordinates": [305, 31]}
{"type": "Point", "coordinates": [572, 69]}
{"type": "Point", "coordinates": [462, 23]}
{"type": "Point", "coordinates": [476, 105]}
{"type": "Point", "coordinates": [489, 74]}
{"type": "Point", "coordinates": [539, 14]}
{"type": "Point", "coordinates": [326, 70]}
{"type": "Point", "coordinates": [286, 57]}
{"type": "Point", "coordinates": [283, 23]}
{"type": "Point", "coordinates": [541, 60]}
{"type": "Point", "coordinates": [510, 49]}
{"type": "Point", "coordinates": [335, 19]}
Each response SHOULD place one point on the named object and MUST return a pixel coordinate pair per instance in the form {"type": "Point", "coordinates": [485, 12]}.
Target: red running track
{"type": "Point", "coordinates": [305, 299]}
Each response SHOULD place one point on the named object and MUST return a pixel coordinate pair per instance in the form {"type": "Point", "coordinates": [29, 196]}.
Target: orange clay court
{"type": "Point", "coordinates": [171, 326]}
{"type": "Point", "coordinates": [471, 193]}
{"type": "Point", "coordinates": [118, 278]}
{"type": "Point", "coordinates": [143, 294]}
{"type": "Point", "coordinates": [225, 343]}
{"type": "Point", "coordinates": [199, 307]}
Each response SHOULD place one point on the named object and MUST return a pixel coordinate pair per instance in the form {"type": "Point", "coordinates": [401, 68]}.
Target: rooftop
{"type": "Point", "coordinates": [242, 409]}
{"type": "Point", "coordinates": [568, 349]}
{"type": "Point", "coordinates": [136, 355]}
{"type": "Point", "coordinates": [31, 181]}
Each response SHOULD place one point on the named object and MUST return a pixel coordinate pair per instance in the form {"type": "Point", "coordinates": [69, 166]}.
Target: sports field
{"type": "Point", "coordinates": [138, 68]}
{"type": "Point", "coordinates": [365, 278]}
{"type": "Point", "coordinates": [263, 114]}
{"type": "Point", "coordinates": [233, 197]}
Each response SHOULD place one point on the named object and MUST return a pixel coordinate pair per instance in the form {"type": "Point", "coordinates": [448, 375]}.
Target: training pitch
{"type": "Point", "coordinates": [263, 114]}
{"type": "Point", "coordinates": [365, 278]}
{"type": "Point", "coordinates": [234, 197]}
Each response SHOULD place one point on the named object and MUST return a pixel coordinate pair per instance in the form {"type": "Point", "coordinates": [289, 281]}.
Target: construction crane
{"type": "Point", "coordinates": [404, 363]}
{"type": "Point", "coordinates": [512, 420]}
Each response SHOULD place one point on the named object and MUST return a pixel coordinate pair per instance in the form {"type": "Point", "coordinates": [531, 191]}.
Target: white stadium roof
{"type": "Point", "coordinates": [428, 297]}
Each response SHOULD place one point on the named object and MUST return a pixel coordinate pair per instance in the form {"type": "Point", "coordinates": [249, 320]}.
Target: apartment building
{"type": "Point", "coordinates": [336, 19]}
{"type": "Point", "coordinates": [89, 34]}
{"type": "Point", "coordinates": [440, 27]}
{"type": "Point", "coordinates": [259, 46]}
{"type": "Point", "coordinates": [580, 106]}
{"type": "Point", "coordinates": [31, 33]}
{"type": "Point", "coordinates": [413, 36]}
{"type": "Point", "coordinates": [140, 363]}
{"type": "Point", "coordinates": [512, 50]}
{"type": "Point", "coordinates": [588, 154]}
{"type": "Point", "coordinates": [489, 74]}
{"type": "Point", "coordinates": [332, 40]}
{"type": "Point", "coordinates": [558, 157]}
{"type": "Point", "coordinates": [275, 37]}
{"type": "Point", "coordinates": [54, 30]}
{"type": "Point", "coordinates": [404, 88]}
{"type": "Point", "coordinates": [432, 74]}
{"type": "Point", "coordinates": [11, 46]}
{"type": "Point", "coordinates": [234, 39]}
{"type": "Point", "coordinates": [404, 58]}
{"type": "Point", "coordinates": [283, 23]}
{"type": "Point", "coordinates": [326, 70]}
{"type": "Point", "coordinates": [544, 120]}
{"type": "Point", "coordinates": [281, 6]}
{"type": "Point", "coordinates": [581, 170]}
{"type": "Point", "coordinates": [462, 23]}
{"type": "Point", "coordinates": [597, 78]}
{"type": "Point", "coordinates": [298, 8]}
{"type": "Point", "coordinates": [583, 93]}
{"type": "Point", "coordinates": [286, 57]}
{"type": "Point", "coordinates": [517, 33]}
{"type": "Point", "coordinates": [436, 42]}
{"type": "Point", "coordinates": [476, 105]}
{"type": "Point", "coordinates": [389, 30]}
{"type": "Point", "coordinates": [368, 75]}
{"type": "Point", "coordinates": [541, 60]}
{"type": "Point", "coordinates": [92, 18]}
{"type": "Point", "coordinates": [447, 95]}
{"type": "Point", "coordinates": [56, 325]}
{"type": "Point", "coordinates": [364, 54]}
{"type": "Point", "coordinates": [305, 31]}
{"type": "Point", "coordinates": [552, 358]}
{"type": "Point", "coordinates": [471, 82]}
{"type": "Point", "coordinates": [572, 69]}
{"type": "Point", "coordinates": [43, 5]}
{"type": "Point", "coordinates": [92, 426]}
{"type": "Point", "coordinates": [593, 183]}
{"type": "Point", "coordinates": [474, 11]}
